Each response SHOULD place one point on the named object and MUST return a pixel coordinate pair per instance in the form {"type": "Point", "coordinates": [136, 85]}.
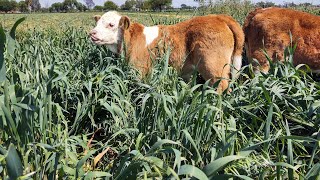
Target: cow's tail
{"type": "Point", "coordinates": [238, 35]}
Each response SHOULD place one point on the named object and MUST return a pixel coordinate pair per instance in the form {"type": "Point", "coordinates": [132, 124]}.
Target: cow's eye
{"type": "Point", "coordinates": [111, 25]}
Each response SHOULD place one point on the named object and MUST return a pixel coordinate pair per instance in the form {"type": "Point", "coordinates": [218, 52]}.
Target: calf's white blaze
{"type": "Point", "coordinates": [151, 33]}
{"type": "Point", "coordinates": [106, 34]}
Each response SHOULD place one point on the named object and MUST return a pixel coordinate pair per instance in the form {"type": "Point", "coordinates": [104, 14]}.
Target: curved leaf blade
{"type": "Point", "coordinates": [13, 163]}
{"type": "Point", "coordinates": [192, 171]}
{"type": "Point", "coordinates": [212, 168]}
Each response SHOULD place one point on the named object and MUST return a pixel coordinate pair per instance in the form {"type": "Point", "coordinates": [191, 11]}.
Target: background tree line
{"type": "Point", "coordinates": [11, 5]}
{"type": "Point", "coordinates": [137, 5]}
{"type": "Point", "coordinates": [74, 5]}
{"type": "Point", "coordinates": [35, 6]}
{"type": "Point", "coordinates": [129, 5]}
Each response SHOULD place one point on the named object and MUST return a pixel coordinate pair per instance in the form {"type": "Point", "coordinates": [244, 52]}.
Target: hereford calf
{"type": "Point", "coordinates": [208, 44]}
{"type": "Point", "coordinates": [270, 29]}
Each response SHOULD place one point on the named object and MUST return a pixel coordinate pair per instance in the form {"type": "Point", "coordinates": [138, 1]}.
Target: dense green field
{"type": "Point", "coordinates": [71, 110]}
{"type": "Point", "coordinates": [54, 21]}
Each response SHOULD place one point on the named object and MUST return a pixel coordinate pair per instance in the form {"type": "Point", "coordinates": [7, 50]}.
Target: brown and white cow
{"type": "Point", "coordinates": [208, 44]}
{"type": "Point", "coordinates": [270, 29]}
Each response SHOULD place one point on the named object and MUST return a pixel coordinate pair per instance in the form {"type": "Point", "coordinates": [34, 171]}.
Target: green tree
{"type": "Point", "coordinates": [22, 6]}
{"type": "Point", "coordinates": [184, 6]}
{"type": "Point", "coordinates": [56, 7]}
{"type": "Point", "coordinates": [140, 4]}
{"type": "Point", "coordinates": [291, 4]}
{"type": "Point", "coordinates": [98, 8]}
{"type": "Point", "coordinates": [110, 5]}
{"type": "Point", "coordinates": [146, 5]}
{"type": "Point", "coordinates": [264, 4]}
{"type": "Point", "coordinates": [69, 5]}
{"type": "Point", "coordinates": [129, 4]}
{"type": "Point", "coordinates": [160, 4]}
{"type": "Point", "coordinates": [6, 5]}
{"type": "Point", "coordinates": [81, 7]}
{"type": "Point", "coordinates": [14, 5]}
{"type": "Point", "coordinates": [73, 5]}
{"type": "Point", "coordinates": [305, 4]}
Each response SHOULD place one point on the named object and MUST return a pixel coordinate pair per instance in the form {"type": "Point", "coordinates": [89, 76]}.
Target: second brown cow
{"type": "Point", "coordinates": [270, 29]}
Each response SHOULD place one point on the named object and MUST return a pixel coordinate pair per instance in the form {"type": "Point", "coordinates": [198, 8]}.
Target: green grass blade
{"type": "Point", "coordinates": [314, 172]}
{"type": "Point", "coordinates": [283, 164]}
{"type": "Point", "coordinates": [314, 150]}
{"type": "Point", "coordinates": [267, 127]}
{"type": "Point", "coordinates": [189, 138]}
{"type": "Point", "coordinates": [82, 161]}
{"type": "Point", "coordinates": [192, 172]}
{"type": "Point", "coordinates": [14, 27]}
{"type": "Point", "coordinates": [231, 176]}
{"type": "Point", "coordinates": [158, 145]}
{"type": "Point", "coordinates": [13, 163]}
{"type": "Point", "coordinates": [218, 164]}
{"type": "Point", "coordinates": [2, 61]}
{"type": "Point", "coordinates": [13, 128]}
{"type": "Point", "coordinates": [289, 152]}
{"type": "Point", "coordinates": [97, 174]}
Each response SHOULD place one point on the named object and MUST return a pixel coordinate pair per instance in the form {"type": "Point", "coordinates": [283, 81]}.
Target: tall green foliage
{"type": "Point", "coordinates": [71, 109]}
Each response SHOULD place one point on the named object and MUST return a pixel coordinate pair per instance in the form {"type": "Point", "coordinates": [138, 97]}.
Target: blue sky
{"type": "Point", "coordinates": [177, 3]}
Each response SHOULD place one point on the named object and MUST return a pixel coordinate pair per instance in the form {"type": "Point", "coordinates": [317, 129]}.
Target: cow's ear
{"type": "Point", "coordinates": [96, 17]}
{"type": "Point", "coordinates": [124, 22]}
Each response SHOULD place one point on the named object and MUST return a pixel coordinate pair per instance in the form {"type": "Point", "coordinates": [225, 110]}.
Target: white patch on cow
{"type": "Point", "coordinates": [237, 62]}
{"type": "Point", "coordinates": [151, 33]}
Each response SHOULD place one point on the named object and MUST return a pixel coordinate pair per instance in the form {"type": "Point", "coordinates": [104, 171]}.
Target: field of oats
{"type": "Point", "coordinates": [72, 110]}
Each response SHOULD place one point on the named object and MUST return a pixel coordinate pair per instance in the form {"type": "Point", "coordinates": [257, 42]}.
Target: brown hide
{"type": "Point", "coordinates": [270, 29]}
{"type": "Point", "coordinates": [207, 43]}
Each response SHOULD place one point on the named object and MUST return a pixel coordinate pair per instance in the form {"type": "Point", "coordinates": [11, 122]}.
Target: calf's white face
{"type": "Point", "coordinates": [107, 30]}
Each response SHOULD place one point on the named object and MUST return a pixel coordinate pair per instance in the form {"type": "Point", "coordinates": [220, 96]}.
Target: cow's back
{"type": "Point", "coordinates": [270, 29]}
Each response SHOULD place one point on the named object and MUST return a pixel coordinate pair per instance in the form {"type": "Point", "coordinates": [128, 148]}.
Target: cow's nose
{"type": "Point", "coordinates": [93, 32]}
